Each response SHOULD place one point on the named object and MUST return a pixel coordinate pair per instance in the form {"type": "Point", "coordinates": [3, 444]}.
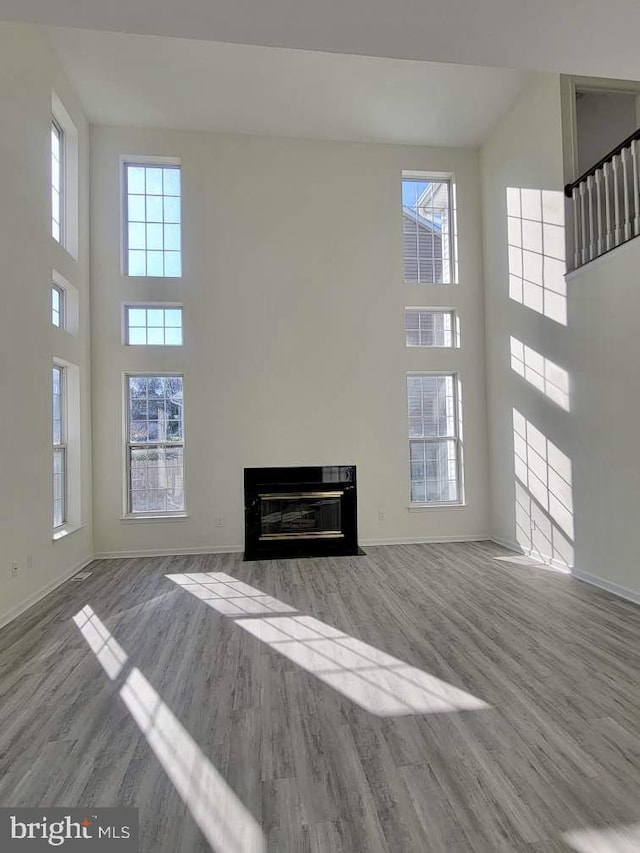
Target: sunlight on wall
{"type": "Point", "coordinates": [544, 494]}
{"type": "Point", "coordinates": [110, 655]}
{"type": "Point", "coordinates": [379, 683]}
{"type": "Point", "coordinates": [624, 839]}
{"type": "Point", "coordinates": [226, 824]}
{"type": "Point", "coordinates": [541, 372]}
{"type": "Point", "coordinates": [536, 238]}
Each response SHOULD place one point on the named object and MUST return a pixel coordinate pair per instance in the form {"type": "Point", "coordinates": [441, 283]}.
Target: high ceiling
{"type": "Point", "coordinates": [149, 81]}
{"type": "Point", "coordinates": [574, 36]}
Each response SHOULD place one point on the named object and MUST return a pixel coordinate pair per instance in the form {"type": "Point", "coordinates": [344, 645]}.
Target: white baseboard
{"type": "Point", "coordinates": [169, 552]}
{"type": "Point", "coordinates": [423, 540]}
{"type": "Point", "coordinates": [608, 586]}
{"type": "Point", "coordinates": [41, 593]}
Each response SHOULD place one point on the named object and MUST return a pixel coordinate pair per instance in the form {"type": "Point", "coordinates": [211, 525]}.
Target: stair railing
{"type": "Point", "coordinates": [605, 202]}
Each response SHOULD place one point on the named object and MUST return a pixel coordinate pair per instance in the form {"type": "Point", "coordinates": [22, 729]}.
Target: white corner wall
{"type": "Point", "coordinates": [28, 342]}
{"type": "Point", "coordinates": [598, 348]}
{"type": "Point", "coordinates": [294, 349]}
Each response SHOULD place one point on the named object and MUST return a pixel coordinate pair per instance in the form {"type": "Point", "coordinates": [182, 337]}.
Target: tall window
{"type": "Point", "coordinates": [57, 181]}
{"type": "Point", "coordinates": [155, 444]}
{"type": "Point", "coordinates": [59, 448]}
{"type": "Point", "coordinates": [57, 306]}
{"type": "Point", "coordinates": [427, 230]}
{"type": "Point", "coordinates": [434, 438]}
{"type": "Point", "coordinates": [153, 240]}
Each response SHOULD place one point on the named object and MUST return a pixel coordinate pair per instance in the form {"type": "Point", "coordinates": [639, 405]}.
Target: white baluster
{"type": "Point", "coordinates": [625, 191]}
{"type": "Point", "coordinates": [636, 189]}
{"type": "Point", "coordinates": [607, 204]}
{"type": "Point", "coordinates": [617, 233]}
{"type": "Point", "coordinates": [575, 198]}
{"type": "Point", "coordinates": [592, 245]}
{"type": "Point", "coordinates": [584, 239]}
{"type": "Point", "coordinates": [600, 234]}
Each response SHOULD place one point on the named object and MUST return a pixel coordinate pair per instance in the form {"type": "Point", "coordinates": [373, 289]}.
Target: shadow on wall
{"type": "Point", "coordinates": [544, 495]}
{"type": "Point", "coordinates": [536, 238]}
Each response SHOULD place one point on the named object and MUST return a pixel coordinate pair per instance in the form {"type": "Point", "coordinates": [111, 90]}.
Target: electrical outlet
{"type": "Point", "coordinates": [15, 568]}
{"type": "Point", "coordinates": [220, 521]}
{"type": "Point", "coordinates": [380, 515]}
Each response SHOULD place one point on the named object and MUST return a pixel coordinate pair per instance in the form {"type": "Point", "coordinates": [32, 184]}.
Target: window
{"type": "Point", "coordinates": [430, 327]}
{"type": "Point", "coordinates": [155, 444]}
{"type": "Point", "coordinates": [59, 448]}
{"type": "Point", "coordinates": [434, 438]}
{"type": "Point", "coordinates": [152, 195]}
{"type": "Point", "coordinates": [427, 230]}
{"type": "Point", "coordinates": [146, 325]}
{"type": "Point", "coordinates": [57, 306]}
{"type": "Point", "coordinates": [57, 181]}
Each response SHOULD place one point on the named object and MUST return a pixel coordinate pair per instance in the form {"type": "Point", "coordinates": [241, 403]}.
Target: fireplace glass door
{"type": "Point", "coordinates": [301, 515]}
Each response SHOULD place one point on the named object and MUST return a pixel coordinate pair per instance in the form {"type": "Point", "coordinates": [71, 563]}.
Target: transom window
{"type": "Point", "coordinates": [426, 327]}
{"type": "Point", "coordinates": [427, 230]}
{"type": "Point", "coordinates": [59, 448]}
{"type": "Point", "coordinates": [153, 237]}
{"type": "Point", "coordinates": [434, 438]}
{"type": "Point", "coordinates": [155, 444]}
{"type": "Point", "coordinates": [57, 306]}
{"type": "Point", "coordinates": [153, 326]}
{"type": "Point", "coordinates": [57, 181]}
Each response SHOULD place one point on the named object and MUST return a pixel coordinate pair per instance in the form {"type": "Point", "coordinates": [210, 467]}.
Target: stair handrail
{"type": "Point", "coordinates": [569, 188]}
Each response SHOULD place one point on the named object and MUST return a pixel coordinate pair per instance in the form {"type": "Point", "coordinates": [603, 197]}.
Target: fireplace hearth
{"type": "Point", "coordinates": [308, 511]}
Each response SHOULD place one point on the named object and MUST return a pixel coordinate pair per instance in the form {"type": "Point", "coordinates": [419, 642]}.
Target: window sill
{"type": "Point", "coordinates": [421, 507]}
{"type": "Point", "coordinates": [174, 516]}
{"type": "Point", "coordinates": [62, 532]}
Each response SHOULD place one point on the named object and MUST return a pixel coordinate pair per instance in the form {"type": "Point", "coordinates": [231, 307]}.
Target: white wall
{"type": "Point", "coordinates": [28, 341]}
{"type": "Point", "coordinates": [524, 151]}
{"type": "Point", "coordinates": [603, 120]}
{"type": "Point", "coordinates": [598, 348]}
{"type": "Point", "coordinates": [294, 303]}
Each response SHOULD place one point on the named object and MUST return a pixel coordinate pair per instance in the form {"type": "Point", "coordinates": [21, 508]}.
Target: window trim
{"type": "Point", "coordinates": [150, 305]}
{"type": "Point", "coordinates": [450, 179]}
{"type": "Point", "coordinates": [150, 161]}
{"type": "Point", "coordinates": [127, 514]}
{"type": "Point", "coordinates": [457, 383]}
{"type": "Point", "coordinates": [61, 446]}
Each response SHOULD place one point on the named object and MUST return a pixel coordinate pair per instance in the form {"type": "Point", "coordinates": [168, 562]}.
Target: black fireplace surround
{"type": "Point", "coordinates": [300, 512]}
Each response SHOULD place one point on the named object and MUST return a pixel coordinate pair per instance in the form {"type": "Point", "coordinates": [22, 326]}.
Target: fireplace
{"type": "Point", "coordinates": [300, 512]}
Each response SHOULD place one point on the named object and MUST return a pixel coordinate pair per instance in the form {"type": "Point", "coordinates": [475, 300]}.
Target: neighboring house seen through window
{"type": "Point", "coordinates": [427, 230]}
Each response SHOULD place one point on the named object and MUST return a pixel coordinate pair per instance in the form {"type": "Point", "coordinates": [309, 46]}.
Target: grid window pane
{"type": "Point", "coordinates": [149, 326]}
{"type": "Point", "coordinates": [155, 448]}
{"type": "Point", "coordinates": [426, 328]}
{"type": "Point", "coordinates": [427, 231]}
{"type": "Point", "coordinates": [434, 440]}
{"type": "Point", "coordinates": [153, 221]}
{"type": "Point", "coordinates": [57, 149]}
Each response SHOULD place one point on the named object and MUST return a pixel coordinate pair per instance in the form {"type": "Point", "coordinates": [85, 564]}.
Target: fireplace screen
{"type": "Point", "coordinates": [301, 515]}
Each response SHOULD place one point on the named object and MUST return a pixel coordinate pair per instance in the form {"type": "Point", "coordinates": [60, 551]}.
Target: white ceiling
{"type": "Point", "coordinates": [148, 81]}
{"type": "Point", "coordinates": [575, 36]}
